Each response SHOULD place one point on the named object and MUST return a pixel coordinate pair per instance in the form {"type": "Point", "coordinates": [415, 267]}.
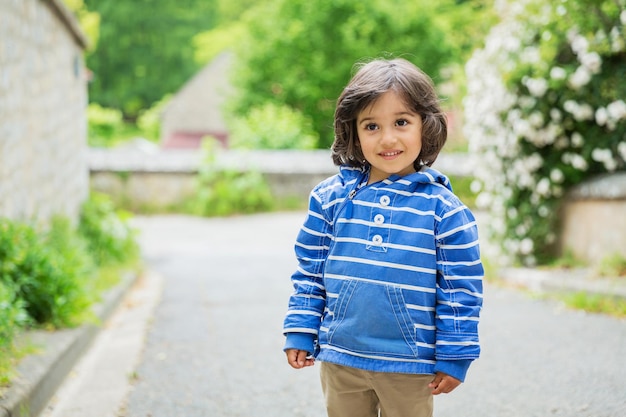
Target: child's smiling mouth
{"type": "Point", "coordinates": [390, 154]}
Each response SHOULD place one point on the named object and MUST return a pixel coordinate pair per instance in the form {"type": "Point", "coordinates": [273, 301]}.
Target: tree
{"type": "Point", "coordinates": [301, 52]}
{"type": "Point", "coordinates": [144, 50]}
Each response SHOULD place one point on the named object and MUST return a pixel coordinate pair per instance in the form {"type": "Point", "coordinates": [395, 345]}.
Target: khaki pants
{"type": "Point", "coordinates": [352, 392]}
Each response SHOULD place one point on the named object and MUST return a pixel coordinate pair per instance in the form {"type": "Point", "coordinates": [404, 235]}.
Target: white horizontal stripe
{"type": "Point", "coordinates": [425, 345]}
{"type": "Point", "coordinates": [390, 226]}
{"type": "Point", "coordinates": [317, 215]}
{"type": "Point", "coordinates": [332, 203]}
{"type": "Point", "coordinates": [304, 312]}
{"type": "Point", "coordinates": [462, 277]}
{"type": "Point", "coordinates": [453, 212]}
{"type": "Point", "coordinates": [307, 273]}
{"type": "Point", "coordinates": [314, 232]}
{"type": "Point", "coordinates": [373, 281]}
{"type": "Point", "coordinates": [311, 247]}
{"type": "Point", "coordinates": [407, 209]}
{"type": "Point", "coordinates": [456, 229]}
{"type": "Point", "coordinates": [461, 246]}
{"type": "Point", "coordinates": [306, 258]}
{"type": "Point", "coordinates": [424, 326]}
{"type": "Point", "coordinates": [334, 185]}
{"type": "Point", "coordinates": [383, 264]}
{"type": "Point", "coordinates": [463, 290]}
{"type": "Point", "coordinates": [299, 330]}
{"type": "Point", "coordinates": [308, 283]}
{"type": "Point", "coordinates": [458, 318]}
{"type": "Point", "coordinates": [315, 297]}
{"type": "Point", "coordinates": [422, 195]}
{"type": "Point", "coordinates": [420, 308]}
{"type": "Point", "coordinates": [389, 245]}
{"type": "Point", "coordinates": [451, 263]}
{"type": "Point", "coordinates": [464, 343]}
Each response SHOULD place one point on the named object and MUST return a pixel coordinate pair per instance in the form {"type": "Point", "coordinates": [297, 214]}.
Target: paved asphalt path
{"type": "Point", "coordinates": [213, 344]}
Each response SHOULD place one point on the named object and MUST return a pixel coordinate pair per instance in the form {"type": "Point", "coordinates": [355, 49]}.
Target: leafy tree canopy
{"type": "Point", "coordinates": [301, 53]}
{"type": "Point", "coordinates": [144, 49]}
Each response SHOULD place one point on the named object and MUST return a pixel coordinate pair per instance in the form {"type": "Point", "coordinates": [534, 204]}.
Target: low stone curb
{"type": "Point", "coordinates": [38, 376]}
{"type": "Point", "coordinates": [564, 281]}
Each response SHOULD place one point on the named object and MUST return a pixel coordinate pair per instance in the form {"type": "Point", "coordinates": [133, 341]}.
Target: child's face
{"type": "Point", "coordinates": [390, 135]}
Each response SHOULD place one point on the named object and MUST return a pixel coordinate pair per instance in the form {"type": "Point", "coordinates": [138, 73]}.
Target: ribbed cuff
{"type": "Point", "coordinates": [300, 341]}
{"type": "Point", "coordinates": [457, 368]}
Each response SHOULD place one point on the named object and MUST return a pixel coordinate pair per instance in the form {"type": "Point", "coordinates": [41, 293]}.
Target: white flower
{"type": "Point", "coordinates": [537, 86]}
{"type": "Point", "coordinates": [580, 112]}
{"type": "Point", "coordinates": [476, 186]}
{"type": "Point", "coordinates": [561, 142]}
{"type": "Point", "coordinates": [610, 165]}
{"type": "Point", "coordinates": [579, 44]}
{"type": "Point", "coordinates": [536, 119]}
{"type": "Point", "coordinates": [555, 115]}
{"type": "Point", "coordinates": [526, 246]}
{"type": "Point", "coordinates": [558, 73]}
{"type": "Point", "coordinates": [602, 116]}
{"type": "Point", "coordinates": [617, 41]}
{"type": "Point", "coordinates": [617, 110]}
{"type": "Point", "coordinates": [556, 175]}
{"type": "Point", "coordinates": [575, 160]}
{"type": "Point", "coordinates": [543, 211]}
{"type": "Point", "coordinates": [577, 140]}
{"type": "Point", "coordinates": [622, 17]}
{"type": "Point", "coordinates": [579, 78]}
{"type": "Point", "coordinates": [591, 61]}
{"type": "Point", "coordinates": [543, 187]}
{"type": "Point", "coordinates": [601, 155]}
{"type": "Point", "coordinates": [621, 149]}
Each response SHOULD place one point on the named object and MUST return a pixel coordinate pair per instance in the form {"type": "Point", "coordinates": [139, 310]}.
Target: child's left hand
{"type": "Point", "coordinates": [443, 383]}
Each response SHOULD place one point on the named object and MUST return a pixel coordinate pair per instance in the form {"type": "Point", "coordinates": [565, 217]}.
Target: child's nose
{"type": "Point", "coordinates": [387, 137]}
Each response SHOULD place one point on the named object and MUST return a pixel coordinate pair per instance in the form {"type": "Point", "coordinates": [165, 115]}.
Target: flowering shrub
{"type": "Point", "coordinates": [545, 110]}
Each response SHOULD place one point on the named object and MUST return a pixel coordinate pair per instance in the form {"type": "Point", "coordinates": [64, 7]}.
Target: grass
{"type": "Point", "coordinates": [594, 303]}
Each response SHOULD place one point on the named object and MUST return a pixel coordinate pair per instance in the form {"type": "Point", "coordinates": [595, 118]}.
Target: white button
{"type": "Point", "coordinates": [384, 200]}
{"type": "Point", "coordinates": [377, 240]}
{"type": "Point", "coordinates": [379, 219]}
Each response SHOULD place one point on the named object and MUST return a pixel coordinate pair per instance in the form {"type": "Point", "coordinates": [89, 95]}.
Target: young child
{"type": "Point", "coordinates": [388, 289]}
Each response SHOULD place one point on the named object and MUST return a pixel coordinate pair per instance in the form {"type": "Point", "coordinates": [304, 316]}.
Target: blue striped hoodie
{"type": "Point", "coordinates": [389, 276]}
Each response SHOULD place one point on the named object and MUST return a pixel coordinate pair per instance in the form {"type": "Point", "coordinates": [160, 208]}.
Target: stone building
{"type": "Point", "coordinates": [195, 111]}
{"type": "Point", "coordinates": [43, 99]}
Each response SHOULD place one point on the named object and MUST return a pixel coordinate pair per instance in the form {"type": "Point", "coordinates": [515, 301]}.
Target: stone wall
{"type": "Point", "coordinates": [594, 219]}
{"type": "Point", "coordinates": [43, 99]}
{"type": "Point", "coordinates": [144, 176]}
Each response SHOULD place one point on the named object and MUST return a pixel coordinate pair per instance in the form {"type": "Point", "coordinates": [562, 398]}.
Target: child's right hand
{"type": "Point", "coordinates": [299, 359]}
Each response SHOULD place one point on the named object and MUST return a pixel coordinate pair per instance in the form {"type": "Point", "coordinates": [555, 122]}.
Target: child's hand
{"type": "Point", "coordinates": [443, 383]}
{"type": "Point", "coordinates": [299, 359]}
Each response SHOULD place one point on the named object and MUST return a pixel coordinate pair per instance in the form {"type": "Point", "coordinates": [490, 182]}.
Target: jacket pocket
{"type": "Point", "coordinates": [372, 319]}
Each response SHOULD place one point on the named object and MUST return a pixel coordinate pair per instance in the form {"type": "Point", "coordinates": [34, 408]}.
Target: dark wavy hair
{"type": "Point", "coordinates": [371, 80]}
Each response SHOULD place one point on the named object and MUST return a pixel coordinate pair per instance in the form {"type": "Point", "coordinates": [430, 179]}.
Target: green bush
{"type": "Point", "coordinates": [12, 314]}
{"type": "Point", "coordinates": [104, 124]}
{"type": "Point", "coordinates": [50, 278]}
{"type": "Point", "coordinates": [223, 192]}
{"type": "Point", "coordinates": [47, 272]}
{"type": "Point", "coordinates": [109, 237]}
{"type": "Point", "coordinates": [273, 126]}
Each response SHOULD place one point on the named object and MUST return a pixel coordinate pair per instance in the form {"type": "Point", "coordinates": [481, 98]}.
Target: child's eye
{"type": "Point", "coordinates": [402, 122]}
{"type": "Point", "coordinates": [371, 126]}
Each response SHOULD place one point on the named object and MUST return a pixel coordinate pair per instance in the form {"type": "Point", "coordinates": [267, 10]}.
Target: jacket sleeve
{"type": "Point", "coordinates": [459, 291]}
{"type": "Point", "coordinates": [308, 300]}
